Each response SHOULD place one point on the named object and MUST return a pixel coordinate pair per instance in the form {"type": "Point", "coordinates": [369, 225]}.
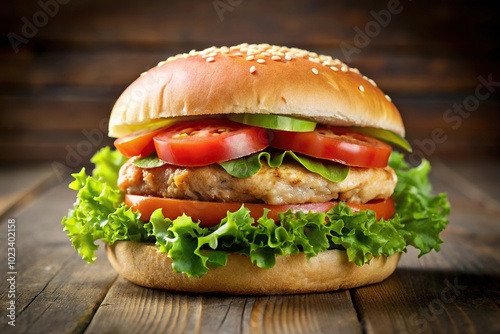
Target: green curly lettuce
{"type": "Point", "coordinates": [100, 214]}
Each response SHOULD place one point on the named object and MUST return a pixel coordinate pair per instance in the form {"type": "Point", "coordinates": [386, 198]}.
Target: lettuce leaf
{"type": "Point", "coordinates": [249, 165]}
{"type": "Point", "coordinates": [99, 214]}
{"type": "Point", "coordinates": [150, 161]}
{"type": "Point", "coordinates": [423, 215]}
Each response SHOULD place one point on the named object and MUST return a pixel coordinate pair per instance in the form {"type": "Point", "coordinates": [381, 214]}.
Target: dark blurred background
{"type": "Point", "coordinates": [63, 63]}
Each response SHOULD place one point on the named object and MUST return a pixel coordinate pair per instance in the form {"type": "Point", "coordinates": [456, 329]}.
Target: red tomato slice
{"type": "Point", "coordinates": [211, 213]}
{"type": "Point", "coordinates": [208, 141]}
{"type": "Point", "coordinates": [140, 144]}
{"type": "Point", "coordinates": [335, 143]}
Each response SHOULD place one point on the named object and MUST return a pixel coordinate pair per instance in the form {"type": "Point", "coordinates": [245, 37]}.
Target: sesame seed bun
{"type": "Point", "coordinates": [143, 265]}
{"type": "Point", "coordinates": [259, 79]}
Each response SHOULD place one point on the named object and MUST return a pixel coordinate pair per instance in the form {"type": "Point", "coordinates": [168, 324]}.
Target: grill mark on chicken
{"type": "Point", "coordinates": [290, 184]}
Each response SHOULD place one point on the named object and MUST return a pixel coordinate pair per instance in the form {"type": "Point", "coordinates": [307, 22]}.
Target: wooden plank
{"type": "Point", "coordinates": [56, 291]}
{"type": "Point", "coordinates": [72, 149]}
{"type": "Point", "coordinates": [109, 68]}
{"type": "Point", "coordinates": [479, 176]}
{"type": "Point", "coordinates": [21, 182]}
{"type": "Point", "coordinates": [313, 23]}
{"type": "Point", "coordinates": [66, 301]}
{"type": "Point", "coordinates": [60, 112]}
{"type": "Point", "coordinates": [128, 309]}
{"type": "Point", "coordinates": [424, 301]}
{"type": "Point", "coordinates": [101, 68]}
{"type": "Point", "coordinates": [470, 188]}
{"type": "Point", "coordinates": [309, 313]}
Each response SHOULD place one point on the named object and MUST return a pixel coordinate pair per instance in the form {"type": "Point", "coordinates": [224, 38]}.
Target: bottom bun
{"type": "Point", "coordinates": [143, 265]}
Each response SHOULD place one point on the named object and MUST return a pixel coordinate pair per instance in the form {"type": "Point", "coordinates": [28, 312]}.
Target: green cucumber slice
{"type": "Point", "coordinates": [275, 122]}
{"type": "Point", "coordinates": [386, 136]}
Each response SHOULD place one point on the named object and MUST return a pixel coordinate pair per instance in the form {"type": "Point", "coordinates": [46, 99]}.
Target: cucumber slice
{"type": "Point", "coordinates": [275, 122]}
{"type": "Point", "coordinates": [386, 136]}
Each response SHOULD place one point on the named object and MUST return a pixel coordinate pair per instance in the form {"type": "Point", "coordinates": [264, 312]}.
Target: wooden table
{"type": "Point", "coordinates": [61, 83]}
{"type": "Point", "coordinates": [454, 291]}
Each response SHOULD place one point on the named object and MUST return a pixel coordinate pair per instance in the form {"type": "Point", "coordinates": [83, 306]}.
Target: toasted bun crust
{"type": "Point", "coordinates": [260, 79]}
{"type": "Point", "coordinates": [143, 265]}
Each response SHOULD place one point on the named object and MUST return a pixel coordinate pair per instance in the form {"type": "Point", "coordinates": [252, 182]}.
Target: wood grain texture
{"type": "Point", "coordinates": [56, 291]}
{"type": "Point", "coordinates": [134, 309]}
{"type": "Point", "coordinates": [407, 74]}
{"type": "Point", "coordinates": [63, 82]}
{"type": "Point", "coordinates": [66, 77]}
{"type": "Point", "coordinates": [426, 301]}
{"type": "Point", "coordinates": [19, 183]}
{"type": "Point", "coordinates": [128, 308]}
{"type": "Point", "coordinates": [454, 291]}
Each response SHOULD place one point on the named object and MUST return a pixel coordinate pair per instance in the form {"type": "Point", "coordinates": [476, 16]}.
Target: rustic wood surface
{"type": "Point", "coordinates": [58, 87]}
{"type": "Point", "coordinates": [456, 290]}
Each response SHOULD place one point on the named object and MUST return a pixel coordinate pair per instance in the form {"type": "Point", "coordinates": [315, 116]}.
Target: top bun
{"type": "Point", "coordinates": [257, 79]}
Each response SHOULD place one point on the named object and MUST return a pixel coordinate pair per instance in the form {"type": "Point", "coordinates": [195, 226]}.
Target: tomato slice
{"type": "Point", "coordinates": [208, 141]}
{"type": "Point", "coordinates": [339, 144]}
{"type": "Point", "coordinates": [276, 122]}
{"type": "Point", "coordinates": [138, 144]}
{"type": "Point", "coordinates": [211, 213]}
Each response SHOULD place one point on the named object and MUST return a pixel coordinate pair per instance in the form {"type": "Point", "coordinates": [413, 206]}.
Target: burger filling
{"type": "Point", "coordinates": [261, 186]}
{"type": "Point", "coordinates": [291, 183]}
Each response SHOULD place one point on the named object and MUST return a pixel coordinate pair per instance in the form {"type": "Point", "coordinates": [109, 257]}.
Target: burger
{"type": "Point", "coordinates": [254, 169]}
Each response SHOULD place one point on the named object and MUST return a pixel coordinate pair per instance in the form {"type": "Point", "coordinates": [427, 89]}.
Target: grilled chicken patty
{"type": "Point", "coordinates": [289, 184]}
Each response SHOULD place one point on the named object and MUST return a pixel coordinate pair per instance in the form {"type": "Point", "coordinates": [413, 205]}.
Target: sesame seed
{"type": "Point", "coordinates": [372, 82]}
{"type": "Point", "coordinates": [252, 69]}
{"type": "Point", "coordinates": [276, 58]}
{"type": "Point", "coordinates": [210, 59]}
{"type": "Point", "coordinates": [355, 70]}
{"type": "Point", "coordinates": [261, 61]}
{"type": "Point", "coordinates": [334, 68]}
{"type": "Point", "coordinates": [343, 68]}
{"type": "Point", "coordinates": [361, 88]}
{"type": "Point", "coordinates": [388, 98]}
{"type": "Point", "coordinates": [161, 63]}
{"type": "Point", "coordinates": [143, 74]}
{"type": "Point", "coordinates": [315, 70]}
{"type": "Point", "coordinates": [250, 57]}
